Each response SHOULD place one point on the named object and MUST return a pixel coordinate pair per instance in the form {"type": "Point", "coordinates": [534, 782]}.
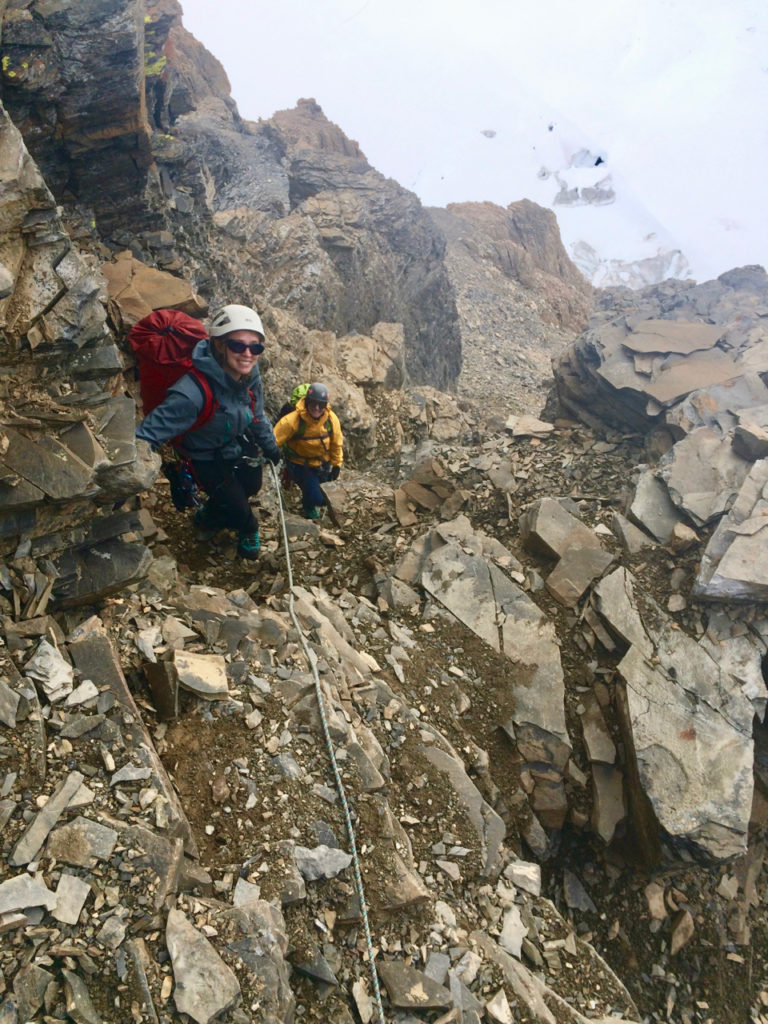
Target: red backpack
{"type": "Point", "coordinates": [163, 343]}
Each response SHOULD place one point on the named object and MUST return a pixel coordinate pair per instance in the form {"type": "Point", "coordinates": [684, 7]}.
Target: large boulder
{"type": "Point", "coordinates": [673, 356]}
{"type": "Point", "coordinates": [688, 709]}
{"type": "Point", "coordinates": [71, 454]}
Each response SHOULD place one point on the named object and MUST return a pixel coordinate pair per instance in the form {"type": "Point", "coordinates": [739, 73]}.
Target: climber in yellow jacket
{"type": "Point", "coordinates": [313, 446]}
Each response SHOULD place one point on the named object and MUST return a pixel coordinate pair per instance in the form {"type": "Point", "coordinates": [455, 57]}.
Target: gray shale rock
{"type": "Point", "coordinates": [204, 986]}
{"type": "Point", "coordinates": [690, 720]}
{"type": "Point", "coordinates": [734, 566]}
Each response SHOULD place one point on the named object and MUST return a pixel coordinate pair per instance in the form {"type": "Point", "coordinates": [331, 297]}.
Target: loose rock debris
{"type": "Point", "coordinates": [221, 822]}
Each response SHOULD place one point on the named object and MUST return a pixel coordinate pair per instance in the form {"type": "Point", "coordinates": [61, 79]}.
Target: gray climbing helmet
{"type": "Point", "coordinates": [317, 393]}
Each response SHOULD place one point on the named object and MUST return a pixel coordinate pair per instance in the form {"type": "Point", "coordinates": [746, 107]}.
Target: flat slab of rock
{"type": "Point", "coordinates": [71, 894]}
{"type": "Point", "coordinates": [256, 940]}
{"type": "Point", "coordinates": [614, 598]}
{"type": "Point", "coordinates": [29, 987]}
{"type": "Point", "coordinates": [24, 891]}
{"type": "Point", "coordinates": [721, 405]}
{"type": "Point", "coordinates": [631, 537]}
{"type": "Point", "coordinates": [735, 563]}
{"type": "Point", "coordinates": [525, 875]}
{"type": "Point", "coordinates": [405, 515]}
{"type": "Point", "coordinates": [9, 705]}
{"type": "Point", "coordinates": [321, 862]}
{"type": "Point", "coordinates": [488, 825]}
{"type": "Point", "coordinates": [138, 289]}
{"type": "Point", "coordinates": [681, 336]}
{"type": "Point", "coordinates": [30, 843]}
{"type": "Point", "coordinates": [95, 658]}
{"type": "Point", "coordinates": [528, 426]}
{"type": "Point", "coordinates": [95, 570]}
{"type": "Point", "coordinates": [52, 467]}
{"type": "Point", "coordinates": [694, 766]}
{"type": "Point", "coordinates": [597, 739]}
{"type": "Point", "coordinates": [462, 582]}
{"type": "Point", "coordinates": [548, 527]}
{"type": "Point", "coordinates": [513, 931]}
{"type": "Point", "coordinates": [575, 572]}
{"type": "Point", "coordinates": [464, 577]}
{"type": "Point", "coordinates": [79, 1003]}
{"type": "Point", "coordinates": [609, 805]}
{"type": "Point", "coordinates": [690, 716]}
{"type": "Point", "coordinates": [662, 380]}
{"type": "Point", "coordinates": [703, 474]}
{"type": "Point", "coordinates": [676, 379]}
{"type": "Point", "coordinates": [412, 989]}
{"type": "Point", "coordinates": [653, 508]}
{"type": "Point", "coordinates": [204, 986]}
{"type": "Point", "coordinates": [202, 674]}
{"type": "Point", "coordinates": [529, 640]}
{"type": "Point", "coordinates": [82, 842]}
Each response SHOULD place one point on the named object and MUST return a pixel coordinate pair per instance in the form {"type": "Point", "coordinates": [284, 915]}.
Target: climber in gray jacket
{"type": "Point", "coordinates": [225, 378]}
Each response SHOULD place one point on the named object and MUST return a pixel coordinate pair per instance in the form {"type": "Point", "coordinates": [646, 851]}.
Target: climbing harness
{"type": "Point", "coordinates": [312, 659]}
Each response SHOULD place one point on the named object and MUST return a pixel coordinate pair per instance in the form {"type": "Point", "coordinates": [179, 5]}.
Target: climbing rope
{"type": "Point", "coordinates": [311, 658]}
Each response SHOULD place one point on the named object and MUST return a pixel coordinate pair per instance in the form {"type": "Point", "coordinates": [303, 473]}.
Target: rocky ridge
{"type": "Point", "coordinates": [519, 301]}
{"type": "Point", "coordinates": [286, 209]}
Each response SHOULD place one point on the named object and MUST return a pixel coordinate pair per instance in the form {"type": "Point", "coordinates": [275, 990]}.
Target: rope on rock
{"type": "Point", "coordinates": [311, 658]}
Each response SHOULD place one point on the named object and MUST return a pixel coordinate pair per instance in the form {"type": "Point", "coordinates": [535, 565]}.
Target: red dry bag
{"type": "Point", "coordinates": [163, 343]}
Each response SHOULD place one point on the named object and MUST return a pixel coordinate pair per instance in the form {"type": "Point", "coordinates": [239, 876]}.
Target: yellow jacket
{"type": "Point", "coordinates": [310, 442]}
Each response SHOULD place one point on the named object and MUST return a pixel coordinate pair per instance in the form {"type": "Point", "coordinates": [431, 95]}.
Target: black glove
{"type": "Point", "coordinates": [335, 472]}
{"type": "Point", "coordinates": [249, 447]}
{"type": "Point", "coordinates": [273, 454]}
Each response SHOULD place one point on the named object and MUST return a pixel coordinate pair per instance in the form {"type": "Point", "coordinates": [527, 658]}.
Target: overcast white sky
{"type": "Point", "coordinates": [672, 93]}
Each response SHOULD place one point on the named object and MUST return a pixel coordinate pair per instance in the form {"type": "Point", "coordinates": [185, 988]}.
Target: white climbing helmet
{"type": "Point", "coordinates": [235, 318]}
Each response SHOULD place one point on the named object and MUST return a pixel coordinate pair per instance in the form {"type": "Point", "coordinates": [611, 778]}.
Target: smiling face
{"type": "Point", "coordinates": [240, 364]}
{"type": "Point", "coordinates": [315, 409]}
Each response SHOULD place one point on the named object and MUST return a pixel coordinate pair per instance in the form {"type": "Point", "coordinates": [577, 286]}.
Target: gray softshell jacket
{"type": "Point", "coordinates": [235, 411]}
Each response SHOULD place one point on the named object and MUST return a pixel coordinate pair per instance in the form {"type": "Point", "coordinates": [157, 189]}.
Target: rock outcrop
{"type": "Point", "coordinates": [523, 243]}
{"type": "Point", "coordinates": [519, 299]}
{"type": "Point", "coordinates": [73, 83]}
{"type": "Point", "coordinates": [687, 366]}
{"type": "Point", "coordinates": [288, 210]}
{"type": "Point", "coordinates": [68, 454]}
{"type": "Point", "coordinates": [335, 243]}
{"type": "Point", "coordinates": [671, 357]}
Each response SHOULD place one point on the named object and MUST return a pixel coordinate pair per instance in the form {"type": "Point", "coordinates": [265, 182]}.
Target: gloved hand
{"type": "Point", "coordinates": [335, 472]}
{"type": "Point", "coordinates": [273, 454]}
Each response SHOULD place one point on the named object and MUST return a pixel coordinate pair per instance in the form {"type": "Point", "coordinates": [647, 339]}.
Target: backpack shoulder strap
{"type": "Point", "coordinates": [209, 402]}
{"type": "Point", "coordinates": [210, 405]}
{"type": "Point", "coordinates": [301, 431]}
{"type": "Point", "coordinates": [302, 428]}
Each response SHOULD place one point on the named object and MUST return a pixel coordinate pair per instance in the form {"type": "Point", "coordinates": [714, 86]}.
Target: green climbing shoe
{"type": "Point", "coordinates": [248, 544]}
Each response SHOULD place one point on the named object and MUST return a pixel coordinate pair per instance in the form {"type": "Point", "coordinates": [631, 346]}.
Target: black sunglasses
{"type": "Point", "coordinates": [240, 346]}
